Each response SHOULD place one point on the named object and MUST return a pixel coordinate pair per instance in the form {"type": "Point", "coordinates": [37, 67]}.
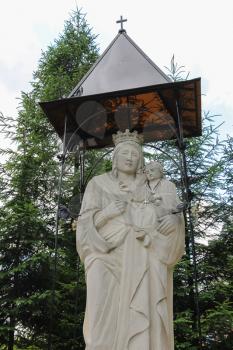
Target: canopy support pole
{"type": "Point", "coordinates": [188, 198]}
{"type": "Point", "coordinates": [62, 158]}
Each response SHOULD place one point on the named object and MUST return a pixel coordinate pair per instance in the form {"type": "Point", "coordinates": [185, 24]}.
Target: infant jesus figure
{"type": "Point", "coordinates": [159, 200]}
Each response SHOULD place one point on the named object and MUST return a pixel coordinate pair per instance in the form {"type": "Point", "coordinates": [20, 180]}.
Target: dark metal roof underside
{"type": "Point", "coordinates": [151, 110]}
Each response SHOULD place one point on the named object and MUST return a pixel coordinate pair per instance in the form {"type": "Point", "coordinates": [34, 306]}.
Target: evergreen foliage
{"type": "Point", "coordinates": [29, 188]}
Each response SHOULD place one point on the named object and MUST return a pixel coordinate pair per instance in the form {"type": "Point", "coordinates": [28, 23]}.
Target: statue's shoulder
{"type": "Point", "coordinates": [101, 180]}
{"type": "Point", "coordinates": [168, 185]}
{"type": "Point", "coordinates": [168, 182]}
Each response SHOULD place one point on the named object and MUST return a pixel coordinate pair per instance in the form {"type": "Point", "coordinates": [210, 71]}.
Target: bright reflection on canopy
{"type": "Point", "coordinates": [152, 111]}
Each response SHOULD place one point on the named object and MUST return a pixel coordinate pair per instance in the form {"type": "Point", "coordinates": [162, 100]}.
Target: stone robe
{"type": "Point", "coordinates": [129, 286]}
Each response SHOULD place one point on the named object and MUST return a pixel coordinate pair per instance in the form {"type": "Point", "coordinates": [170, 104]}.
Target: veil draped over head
{"type": "Point", "coordinates": [118, 147]}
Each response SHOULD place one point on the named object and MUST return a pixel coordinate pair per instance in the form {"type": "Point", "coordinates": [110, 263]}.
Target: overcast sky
{"type": "Point", "coordinates": [198, 32]}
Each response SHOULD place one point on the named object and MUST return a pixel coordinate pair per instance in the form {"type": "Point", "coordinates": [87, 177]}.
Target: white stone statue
{"type": "Point", "coordinates": [129, 245]}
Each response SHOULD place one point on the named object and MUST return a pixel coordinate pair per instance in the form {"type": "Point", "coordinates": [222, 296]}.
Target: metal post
{"type": "Point", "coordinates": [82, 171]}
{"type": "Point", "coordinates": [181, 147]}
{"type": "Point", "coordinates": [76, 297]}
{"type": "Point", "coordinates": [54, 276]}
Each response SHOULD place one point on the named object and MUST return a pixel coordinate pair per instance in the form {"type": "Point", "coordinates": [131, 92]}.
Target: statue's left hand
{"type": "Point", "coordinates": [167, 224]}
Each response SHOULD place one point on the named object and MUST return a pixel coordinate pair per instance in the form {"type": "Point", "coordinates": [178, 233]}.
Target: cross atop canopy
{"type": "Point", "coordinates": [121, 21]}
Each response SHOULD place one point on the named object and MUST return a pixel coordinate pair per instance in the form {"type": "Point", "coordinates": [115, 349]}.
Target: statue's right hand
{"type": "Point", "coordinates": [115, 208]}
{"type": "Point", "coordinates": [112, 210]}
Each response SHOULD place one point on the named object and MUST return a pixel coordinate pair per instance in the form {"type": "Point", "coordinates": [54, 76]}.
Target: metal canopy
{"type": "Point", "coordinates": [122, 66]}
{"type": "Point", "coordinates": [124, 89]}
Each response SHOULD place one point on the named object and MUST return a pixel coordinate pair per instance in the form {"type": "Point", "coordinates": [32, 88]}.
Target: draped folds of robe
{"type": "Point", "coordinates": [129, 285]}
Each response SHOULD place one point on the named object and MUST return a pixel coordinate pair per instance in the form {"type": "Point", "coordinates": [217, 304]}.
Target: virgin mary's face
{"type": "Point", "coordinates": [128, 159]}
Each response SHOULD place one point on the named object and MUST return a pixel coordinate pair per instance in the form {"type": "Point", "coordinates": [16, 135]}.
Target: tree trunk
{"type": "Point", "coordinates": [11, 334]}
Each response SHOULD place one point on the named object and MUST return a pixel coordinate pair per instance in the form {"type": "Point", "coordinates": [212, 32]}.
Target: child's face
{"type": "Point", "coordinates": [152, 173]}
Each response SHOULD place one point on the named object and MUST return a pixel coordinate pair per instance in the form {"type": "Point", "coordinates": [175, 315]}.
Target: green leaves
{"type": "Point", "coordinates": [217, 326]}
{"type": "Point", "coordinates": [209, 165]}
{"type": "Point", "coordinates": [67, 60]}
{"type": "Point", "coordinates": [29, 180]}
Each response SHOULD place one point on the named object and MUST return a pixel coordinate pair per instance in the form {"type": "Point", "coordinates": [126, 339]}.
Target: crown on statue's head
{"type": "Point", "coordinates": [127, 136]}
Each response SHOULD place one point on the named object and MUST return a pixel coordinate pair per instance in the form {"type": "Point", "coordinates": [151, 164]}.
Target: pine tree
{"type": "Point", "coordinates": [217, 265]}
{"type": "Point", "coordinates": [30, 180]}
{"type": "Point", "coordinates": [209, 176]}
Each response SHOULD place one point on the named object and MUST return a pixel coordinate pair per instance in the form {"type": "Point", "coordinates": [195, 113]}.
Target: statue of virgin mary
{"type": "Point", "coordinates": [129, 278]}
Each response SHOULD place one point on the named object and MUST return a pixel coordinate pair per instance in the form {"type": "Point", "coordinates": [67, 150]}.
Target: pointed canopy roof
{"type": "Point", "coordinates": [123, 65]}
{"type": "Point", "coordinates": [124, 89]}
